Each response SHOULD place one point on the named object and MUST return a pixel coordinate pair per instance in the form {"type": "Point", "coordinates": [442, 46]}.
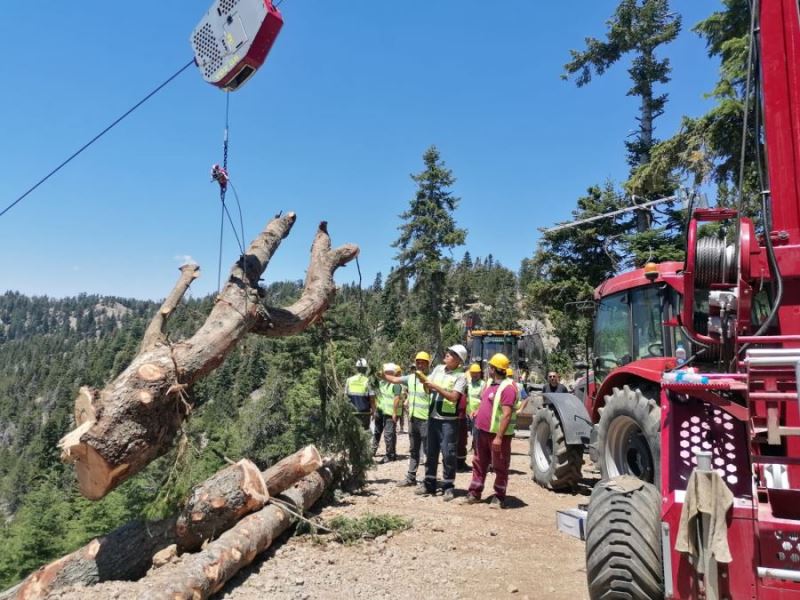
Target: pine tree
{"type": "Point", "coordinates": [429, 228]}
{"type": "Point", "coordinates": [638, 27]}
{"type": "Point", "coordinates": [708, 148]}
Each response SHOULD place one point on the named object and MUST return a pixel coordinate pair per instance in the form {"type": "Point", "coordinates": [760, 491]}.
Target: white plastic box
{"type": "Point", "coordinates": [572, 522]}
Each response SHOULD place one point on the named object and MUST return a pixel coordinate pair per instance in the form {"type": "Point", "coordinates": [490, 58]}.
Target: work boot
{"type": "Point", "coordinates": [407, 483]}
{"type": "Point", "coordinates": [471, 499]}
{"type": "Point", "coordinates": [421, 490]}
{"type": "Point", "coordinates": [497, 503]}
{"type": "Point", "coordinates": [448, 495]}
{"type": "Point", "coordinates": [384, 460]}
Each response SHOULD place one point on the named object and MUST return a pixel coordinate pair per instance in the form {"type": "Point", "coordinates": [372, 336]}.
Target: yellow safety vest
{"type": "Point", "coordinates": [419, 401]}
{"type": "Point", "coordinates": [497, 413]}
{"type": "Point", "coordinates": [474, 392]}
{"type": "Point", "coordinates": [447, 381]}
{"type": "Point", "coordinates": [386, 398]}
{"type": "Point", "coordinates": [357, 389]}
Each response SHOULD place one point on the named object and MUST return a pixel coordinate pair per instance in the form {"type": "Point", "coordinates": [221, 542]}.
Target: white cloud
{"type": "Point", "coordinates": [185, 259]}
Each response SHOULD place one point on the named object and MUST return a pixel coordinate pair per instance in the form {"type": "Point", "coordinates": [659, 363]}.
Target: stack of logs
{"type": "Point", "coordinates": [226, 522]}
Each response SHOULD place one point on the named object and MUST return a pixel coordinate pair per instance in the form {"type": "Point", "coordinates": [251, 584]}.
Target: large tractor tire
{"type": "Point", "coordinates": [629, 435]}
{"type": "Point", "coordinates": [555, 464]}
{"type": "Point", "coordinates": [623, 541]}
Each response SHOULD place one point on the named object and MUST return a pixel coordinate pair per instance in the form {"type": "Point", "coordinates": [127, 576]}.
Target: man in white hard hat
{"type": "Point", "coordinates": [447, 384]}
{"type": "Point", "coordinates": [389, 407]}
{"type": "Point", "coordinates": [361, 394]}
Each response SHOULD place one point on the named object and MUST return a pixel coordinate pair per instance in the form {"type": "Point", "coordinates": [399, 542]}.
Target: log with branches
{"type": "Point", "coordinates": [213, 507]}
{"type": "Point", "coordinates": [136, 417]}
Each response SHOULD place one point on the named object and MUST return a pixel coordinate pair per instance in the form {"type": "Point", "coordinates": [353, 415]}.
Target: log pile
{"type": "Point", "coordinates": [226, 522]}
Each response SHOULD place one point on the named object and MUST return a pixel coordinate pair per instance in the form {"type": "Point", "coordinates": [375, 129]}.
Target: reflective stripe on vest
{"type": "Point", "coordinates": [386, 398]}
{"type": "Point", "coordinates": [447, 381]}
{"type": "Point", "coordinates": [419, 401]}
{"type": "Point", "coordinates": [474, 392]}
{"type": "Point", "coordinates": [497, 413]}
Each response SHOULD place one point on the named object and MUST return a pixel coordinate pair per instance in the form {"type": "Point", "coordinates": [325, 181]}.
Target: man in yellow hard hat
{"type": "Point", "coordinates": [418, 410]}
{"type": "Point", "coordinates": [476, 386]}
{"type": "Point", "coordinates": [494, 424]}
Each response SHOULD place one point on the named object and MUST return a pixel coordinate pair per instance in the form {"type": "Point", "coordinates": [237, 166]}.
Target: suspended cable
{"type": "Point", "coordinates": [97, 137]}
{"type": "Point", "coordinates": [613, 213]}
{"type": "Point", "coordinates": [220, 175]}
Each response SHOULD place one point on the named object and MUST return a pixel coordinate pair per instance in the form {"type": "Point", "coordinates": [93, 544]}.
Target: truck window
{"type": "Point", "coordinates": [648, 339]}
{"type": "Point", "coordinates": [612, 334]}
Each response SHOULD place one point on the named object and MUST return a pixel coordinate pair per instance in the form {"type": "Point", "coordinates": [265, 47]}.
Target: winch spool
{"type": "Point", "coordinates": [714, 262]}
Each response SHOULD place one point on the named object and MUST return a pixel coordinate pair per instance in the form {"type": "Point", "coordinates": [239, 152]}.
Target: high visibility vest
{"type": "Point", "coordinates": [386, 398]}
{"type": "Point", "coordinates": [447, 381]}
{"type": "Point", "coordinates": [419, 401]}
{"type": "Point", "coordinates": [474, 392]}
{"type": "Point", "coordinates": [497, 412]}
{"type": "Point", "coordinates": [357, 389]}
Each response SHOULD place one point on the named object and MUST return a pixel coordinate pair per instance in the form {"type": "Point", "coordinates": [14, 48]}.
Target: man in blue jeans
{"type": "Point", "coordinates": [447, 384]}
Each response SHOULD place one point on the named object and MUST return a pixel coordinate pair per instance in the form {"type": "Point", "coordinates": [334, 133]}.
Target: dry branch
{"type": "Point", "coordinates": [137, 416]}
{"type": "Point", "coordinates": [155, 333]}
{"type": "Point", "coordinates": [213, 507]}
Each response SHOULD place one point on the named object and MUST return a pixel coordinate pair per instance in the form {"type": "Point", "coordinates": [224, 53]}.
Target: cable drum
{"type": "Point", "coordinates": [714, 262]}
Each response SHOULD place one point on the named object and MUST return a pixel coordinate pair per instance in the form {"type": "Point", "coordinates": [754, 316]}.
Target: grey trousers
{"type": "Point", "coordinates": [384, 425]}
{"type": "Point", "coordinates": [417, 440]}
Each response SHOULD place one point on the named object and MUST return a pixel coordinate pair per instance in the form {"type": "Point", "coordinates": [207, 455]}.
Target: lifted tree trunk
{"type": "Point", "coordinates": [135, 418]}
{"type": "Point", "coordinates": [213, 507]}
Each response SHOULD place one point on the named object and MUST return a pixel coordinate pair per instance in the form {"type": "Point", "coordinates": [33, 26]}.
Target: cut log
{"type": "Point", "coordinates": [136, 416]}
{"type": "Point", "coordinates": [219, 502]}
{"type": "Point", "coordinates": [285, 473]}
{"type": "Point", "coordinates": [202, 574]}
{"type": "Point", "coordinates": [127, 552]}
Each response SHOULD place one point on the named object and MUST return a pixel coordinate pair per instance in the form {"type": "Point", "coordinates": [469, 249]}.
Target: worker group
{"type": "Point", "coordinates": [444, 405]}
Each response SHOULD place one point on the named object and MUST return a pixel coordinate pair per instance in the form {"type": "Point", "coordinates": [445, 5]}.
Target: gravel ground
{"type": "Point", "coordinates": [451, 551]}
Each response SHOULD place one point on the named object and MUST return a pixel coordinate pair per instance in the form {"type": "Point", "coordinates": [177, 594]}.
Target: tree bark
{"type": "Point", "coordinates": [213, 507]}
{"type": "Point", "coordinates": [200, 575]}
{"type": "Point", "coordinates": [137, 416]}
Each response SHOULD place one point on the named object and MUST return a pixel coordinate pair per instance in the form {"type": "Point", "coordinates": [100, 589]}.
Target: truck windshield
{"type": "Point", "coordinates": [483, 348]}
{"type": "Point", "coordinates": [648, 339]}
{"type": "Point", "coordinates": [612, 334]}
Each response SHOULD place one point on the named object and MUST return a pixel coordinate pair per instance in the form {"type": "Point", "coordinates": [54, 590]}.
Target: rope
{"type": "Point", "coordinates": [289, 509]}
{"type": "Point", "coordinates": [224, 181]}
{"type": "Point", "coordinates": [97, 137]}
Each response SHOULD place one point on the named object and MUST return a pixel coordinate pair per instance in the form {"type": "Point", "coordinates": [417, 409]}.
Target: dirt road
{"type": "Point", "coordinates": [451, 551]}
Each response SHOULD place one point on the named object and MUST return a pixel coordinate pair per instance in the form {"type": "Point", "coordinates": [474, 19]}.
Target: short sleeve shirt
{"type": "Point", "coordinates": [483, 420]}
{"type": "Point", "coordinates": [460, 386]}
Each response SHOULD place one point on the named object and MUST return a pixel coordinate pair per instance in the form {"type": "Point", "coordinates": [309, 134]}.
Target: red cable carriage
{"type": "Point", "coordinates": [233, 39]}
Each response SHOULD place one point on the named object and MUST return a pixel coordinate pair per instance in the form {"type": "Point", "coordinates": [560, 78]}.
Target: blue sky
{"type": "Point", "coordinates": [331, 127]}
